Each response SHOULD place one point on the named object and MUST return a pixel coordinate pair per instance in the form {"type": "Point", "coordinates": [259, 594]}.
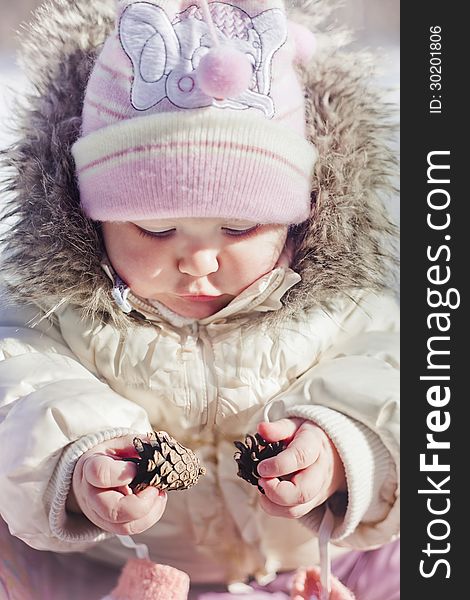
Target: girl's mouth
{"type": "Point", "coordinates": [199, 298]}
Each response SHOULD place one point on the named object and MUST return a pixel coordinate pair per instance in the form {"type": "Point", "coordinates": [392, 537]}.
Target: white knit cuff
{"type": "Point", "coordinates": [366, 461]}
{"type": "Point", "coordinates": [66, 526]}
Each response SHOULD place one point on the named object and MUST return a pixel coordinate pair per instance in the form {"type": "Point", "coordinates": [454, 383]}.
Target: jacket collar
{"type": "Point", "coordinates": [263, 295]}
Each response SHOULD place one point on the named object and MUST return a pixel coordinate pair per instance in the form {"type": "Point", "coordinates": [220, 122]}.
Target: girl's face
{"type": "Point", "coordinates": [195, 267]}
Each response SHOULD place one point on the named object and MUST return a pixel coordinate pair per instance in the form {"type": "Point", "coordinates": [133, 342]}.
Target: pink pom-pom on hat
{"type": "Point", "coordinates": [224, 73]}
{"type": "Point", "coordinates": [195, 109]}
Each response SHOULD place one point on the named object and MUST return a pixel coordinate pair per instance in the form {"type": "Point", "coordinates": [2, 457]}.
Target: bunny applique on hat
{"type": "Point", "coordinates": [195, 109]}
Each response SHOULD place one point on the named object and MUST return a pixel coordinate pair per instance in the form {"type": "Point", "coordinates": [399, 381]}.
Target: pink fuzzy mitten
{"type": "Point", "coordinates": [142, 579]}
{"type": "Point", "coordinates": [306, 586]}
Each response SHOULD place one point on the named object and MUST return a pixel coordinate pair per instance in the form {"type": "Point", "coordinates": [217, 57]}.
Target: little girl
{"type": "Point", "coordinates": [198, 247]}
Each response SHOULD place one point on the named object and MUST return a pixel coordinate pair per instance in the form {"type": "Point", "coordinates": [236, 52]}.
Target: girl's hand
{"type": "Point", "coordinates": [303, 475]}
{"type": "Point", "coordinates": [101, 490]}
{"type": "Point", "coordinates": [306, 584]}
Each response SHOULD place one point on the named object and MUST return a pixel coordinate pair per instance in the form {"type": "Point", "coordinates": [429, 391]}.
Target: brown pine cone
{"type": "Point", "coordinates": [165, 464]}
{"type": "Point", "coordinates": [251, 453]}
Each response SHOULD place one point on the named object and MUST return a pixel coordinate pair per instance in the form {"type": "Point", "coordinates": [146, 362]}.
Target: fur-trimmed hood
{"type": "Point", "coordinates": [53, 253]}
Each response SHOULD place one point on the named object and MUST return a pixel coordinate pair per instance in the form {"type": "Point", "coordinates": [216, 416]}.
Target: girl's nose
{"type": "Point", "coordinates": [199, 263]}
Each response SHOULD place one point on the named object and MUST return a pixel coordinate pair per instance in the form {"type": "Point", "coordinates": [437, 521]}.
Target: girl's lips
{"type": "Point", "coordinates": [200, 298]}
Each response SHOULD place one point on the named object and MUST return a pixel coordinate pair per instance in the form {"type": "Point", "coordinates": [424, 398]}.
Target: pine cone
{"type": "Point", "coordinates": [253, 451]}
{"type": "Point", "coordinates": [165, 464]}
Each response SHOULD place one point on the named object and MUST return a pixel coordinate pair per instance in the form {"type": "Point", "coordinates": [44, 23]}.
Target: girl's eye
{"type": "Point", "coordinates": [240, 232]}
{"type": "Point", "coordinates": [156, 234]}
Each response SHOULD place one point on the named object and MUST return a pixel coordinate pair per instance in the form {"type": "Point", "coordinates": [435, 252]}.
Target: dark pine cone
{"type": "Point", "coordinates": [165, 464]}
{"type": "Point", "coordinates": [253, 451]}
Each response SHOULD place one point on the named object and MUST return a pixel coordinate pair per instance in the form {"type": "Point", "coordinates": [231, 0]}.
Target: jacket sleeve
{"type": "Point", "coordinates": [352, 393]}
{"type": "Point", "coordinates": [52, 410]}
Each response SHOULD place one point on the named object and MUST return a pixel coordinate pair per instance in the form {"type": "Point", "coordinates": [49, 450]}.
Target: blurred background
{"type": "Point", "coordinates": [376, 20]}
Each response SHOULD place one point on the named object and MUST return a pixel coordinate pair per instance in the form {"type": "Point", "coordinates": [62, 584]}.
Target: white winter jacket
{"type": "Point", "coordinates": [67, 387]}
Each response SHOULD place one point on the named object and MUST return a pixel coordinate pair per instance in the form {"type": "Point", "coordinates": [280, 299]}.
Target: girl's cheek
{"type": "Point", "coordinates": [133, 266]}
{"type": "Point", "coordinates": [130, 266]}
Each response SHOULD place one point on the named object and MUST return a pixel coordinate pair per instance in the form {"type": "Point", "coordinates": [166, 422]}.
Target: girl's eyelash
{"type": "Point", "coordinates": [167, 233]}
{"type": "Point", "coordinates": [240, 232]}
{"type": "Point", "coordinates": [156, 234]}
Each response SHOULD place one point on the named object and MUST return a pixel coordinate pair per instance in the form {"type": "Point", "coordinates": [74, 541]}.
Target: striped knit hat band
{"type": "Point", "coordinates": [194, 109]}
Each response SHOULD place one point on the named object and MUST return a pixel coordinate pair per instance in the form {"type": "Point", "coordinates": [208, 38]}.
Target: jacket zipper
{"type": "Point", "coordinates": [205, 362]}
{"type": "Point", "coordinates": [200, 372]}
{"type": "Point", "coordinates": [208, 363]}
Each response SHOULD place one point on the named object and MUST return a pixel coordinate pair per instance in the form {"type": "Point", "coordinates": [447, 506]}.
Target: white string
{"type": "Point", "coordinates": [324, 535]}
{"type": "Point", "coordinates": [206, 13]}
{"type": "Point", "coordinates": [141, 550]}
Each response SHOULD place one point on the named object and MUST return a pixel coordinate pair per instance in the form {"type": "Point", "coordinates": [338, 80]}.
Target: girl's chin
{"type": "Point", "coordinates": [195, 309]}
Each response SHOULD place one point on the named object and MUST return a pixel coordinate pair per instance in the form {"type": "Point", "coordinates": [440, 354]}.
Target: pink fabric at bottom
{"type": "Point", "coordinates": [371, 575]}
{"type": "Point", "coordinates": [27, 574]}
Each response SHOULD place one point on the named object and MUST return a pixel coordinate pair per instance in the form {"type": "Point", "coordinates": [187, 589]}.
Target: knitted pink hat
{"type": "Point", "coordinates": [194, 109]}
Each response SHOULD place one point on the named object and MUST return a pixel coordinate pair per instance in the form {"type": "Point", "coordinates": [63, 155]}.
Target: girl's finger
{"type": "Point", "coordinates": [104, 471]}
{"type": "Point", "coordinates": [300, 454]}
{"type": "Point", "coordinates": [154, 515]}
{"type": "Point", "coordinates": [305, 486]}
{"type": "Point", "coordinates": [141, 524]}
{"type": "Point", "coordinates": [287, 512]}
{"type": "Point", "coordinates": [111, 506]}
{"type": "Point", "coordinates": [284, 429]}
